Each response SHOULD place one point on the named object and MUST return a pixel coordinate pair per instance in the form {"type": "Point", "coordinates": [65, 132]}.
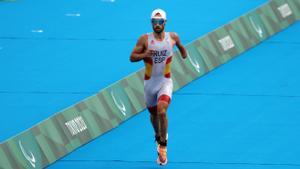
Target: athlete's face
{"type": "Point", "coordinates": [158, 25]}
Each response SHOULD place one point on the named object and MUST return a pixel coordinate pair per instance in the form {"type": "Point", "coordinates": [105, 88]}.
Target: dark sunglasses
{"type": "Point", "coordinates": [157, 21]}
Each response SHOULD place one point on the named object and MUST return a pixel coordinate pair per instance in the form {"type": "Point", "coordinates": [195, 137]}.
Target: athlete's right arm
{"type": "Point", "coordinates": [140, 50]}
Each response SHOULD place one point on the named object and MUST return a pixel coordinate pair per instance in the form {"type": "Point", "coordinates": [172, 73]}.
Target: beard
{"type": "Point", "coordinates": [158, 30]}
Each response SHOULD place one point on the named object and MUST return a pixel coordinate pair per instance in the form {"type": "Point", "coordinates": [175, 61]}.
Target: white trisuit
{"type": "Point", "coordinates": [157, 81]}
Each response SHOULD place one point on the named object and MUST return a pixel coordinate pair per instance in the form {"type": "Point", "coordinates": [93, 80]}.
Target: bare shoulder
{"type": "Point", "coordinates": [174, 36]}
{"type": "Point", "coordinates": [143, 38]}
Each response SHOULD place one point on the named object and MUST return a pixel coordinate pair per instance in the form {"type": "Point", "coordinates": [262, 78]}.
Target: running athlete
{"type": "Point", "coordinates": [156, 50]}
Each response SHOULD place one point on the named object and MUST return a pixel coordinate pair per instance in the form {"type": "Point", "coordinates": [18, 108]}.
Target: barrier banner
{"type": "Point", "coordinates": [77, 125]}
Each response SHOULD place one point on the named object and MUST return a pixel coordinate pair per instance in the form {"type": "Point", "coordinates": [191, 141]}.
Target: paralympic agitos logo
{"type": "Point", "coordinates": [257, 25]}
{"type": "Point", "coordinates": [194, 63]}
{"type": "Point", "coordinates": [27, 154]}
{"type": "Point", "coordinates": [120, 99]}
{"type": "Point", "coordinates": [119, 103]}
{"type": "Point", "coordinates": [30, 150]}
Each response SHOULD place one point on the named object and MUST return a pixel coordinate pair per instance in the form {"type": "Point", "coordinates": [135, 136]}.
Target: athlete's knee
{"type": "Point", "coordinates": [163, 103]}
{"type": "Point", "coordinates": [164, 98]}
{"type": "Point", "coordinates": [162, 108]}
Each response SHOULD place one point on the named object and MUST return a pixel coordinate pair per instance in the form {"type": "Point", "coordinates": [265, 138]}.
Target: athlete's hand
{"type": "Point", "coordinates": [149, 53]}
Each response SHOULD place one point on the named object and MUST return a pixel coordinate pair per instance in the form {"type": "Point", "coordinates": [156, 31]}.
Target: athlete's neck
{"type": "Point", "coordinates": [159, 36]}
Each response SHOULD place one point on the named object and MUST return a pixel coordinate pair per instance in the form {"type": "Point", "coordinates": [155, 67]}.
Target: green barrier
{"type": "Point", "coordinates": [75, 126]}
{"type": "Point", "coordinates": [7, 0]}
{"type": "Point", "coordinates": [295, 7]}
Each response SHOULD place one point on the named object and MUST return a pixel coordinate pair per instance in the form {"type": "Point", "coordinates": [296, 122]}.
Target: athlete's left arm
{"type": "Point", "coordinates": [179, 45]}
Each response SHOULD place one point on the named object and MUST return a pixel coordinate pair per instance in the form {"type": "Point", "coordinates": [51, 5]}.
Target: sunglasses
{"type": "Point", "coordinates": [157, 21]}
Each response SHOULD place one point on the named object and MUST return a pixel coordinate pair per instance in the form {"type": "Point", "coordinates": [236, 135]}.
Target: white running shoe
{"type": "Point", "coordinates": [162, 155]}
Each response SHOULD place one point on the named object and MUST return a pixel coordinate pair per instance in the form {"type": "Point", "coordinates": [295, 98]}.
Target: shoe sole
{"type": "Point", "coordinates": [161, 163]}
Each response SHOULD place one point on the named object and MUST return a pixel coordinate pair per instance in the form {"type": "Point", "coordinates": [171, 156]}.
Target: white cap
{"type": "Point", "coordinates": [162, 13]}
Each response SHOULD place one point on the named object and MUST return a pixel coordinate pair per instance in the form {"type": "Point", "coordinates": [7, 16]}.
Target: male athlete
{"type": "Point", "coordinates": [156, 50]}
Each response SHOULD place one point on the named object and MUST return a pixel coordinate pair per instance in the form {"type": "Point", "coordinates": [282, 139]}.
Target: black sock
{"type": "Point", "coordinates": [157, 138]}
{"type": "Point", "coordinates": [163, 143]}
